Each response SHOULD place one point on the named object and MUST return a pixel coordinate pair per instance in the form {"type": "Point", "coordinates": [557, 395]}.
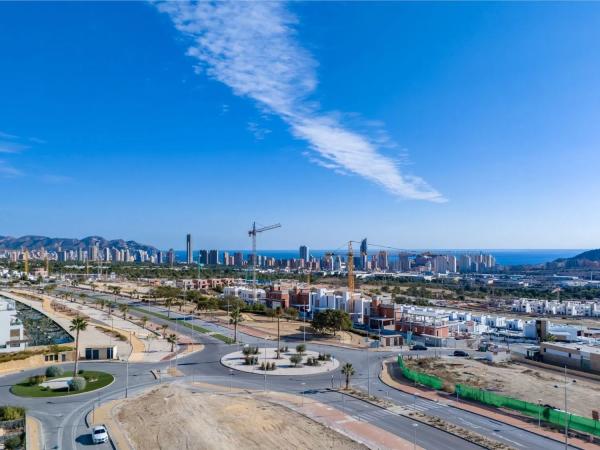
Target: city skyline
{"type": "Point", "coordinates": [453, 126]}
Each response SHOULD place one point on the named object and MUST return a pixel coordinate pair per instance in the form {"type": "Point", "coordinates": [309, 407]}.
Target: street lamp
{"type": "Point", "coordinates": [415, 426]}
{"type": "Point", "coordinates": [566, 384]}
{"type": "Point", "coordinates": [230, 380]}
{"type": "Point", "coordinates": [539, 413]}
{"type": "Point", "coordinates": [303, 384]}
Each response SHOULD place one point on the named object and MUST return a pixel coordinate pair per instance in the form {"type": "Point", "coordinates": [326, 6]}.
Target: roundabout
{"type": "Point", "coordinates": [290, 362]}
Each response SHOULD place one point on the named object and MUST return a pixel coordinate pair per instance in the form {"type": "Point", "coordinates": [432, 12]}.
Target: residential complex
{"type": "Point", "coordinates": [11, 329]}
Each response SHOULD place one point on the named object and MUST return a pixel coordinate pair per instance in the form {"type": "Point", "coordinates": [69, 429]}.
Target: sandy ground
{"type": "Point", "coordinates": [170, 418]}
{"type": "Point", "coordinates": [516, 380]}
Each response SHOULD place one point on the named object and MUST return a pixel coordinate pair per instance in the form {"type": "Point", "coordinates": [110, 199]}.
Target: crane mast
{"type": "Point", "coordinates": [252, 233]}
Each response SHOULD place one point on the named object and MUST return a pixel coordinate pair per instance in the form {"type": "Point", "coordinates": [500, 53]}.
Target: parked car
{"type": "Point", "coordinates": [418, 347]}
{"type": "Point", "coordinates": [99, 435]}
{"type": "Point", "coordinates": [460, 353]}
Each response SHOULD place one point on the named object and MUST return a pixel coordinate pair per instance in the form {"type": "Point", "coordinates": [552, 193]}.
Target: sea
{"type": "Point", "coordinates": [504, 257]}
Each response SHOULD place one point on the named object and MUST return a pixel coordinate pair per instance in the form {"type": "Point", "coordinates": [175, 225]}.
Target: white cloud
{"type": "Point", "coordinates": [251, 47]}
{"type": "Point", "coordinates": [8, 171]}
{"type": "Point", "coordinates": [258, 131]}
{"type": "Point", "coordinates": [11, 147]}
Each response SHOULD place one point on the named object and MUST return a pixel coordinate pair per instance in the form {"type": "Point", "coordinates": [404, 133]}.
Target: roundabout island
{"type": "Point", "coordinates": [288, 361]}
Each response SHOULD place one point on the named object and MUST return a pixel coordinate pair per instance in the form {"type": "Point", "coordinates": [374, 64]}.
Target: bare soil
{"type": "Point", "coordinates": [515, 380]}
{"type": "Point", "coordinates": [170, 417]}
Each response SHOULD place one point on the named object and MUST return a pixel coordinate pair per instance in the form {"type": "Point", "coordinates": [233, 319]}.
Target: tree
{"type": "Point", "coordinates": [124, 309]}
{"type": "Point", "coordinates": [164, 329]}
{"type": "Point", "coordinates": [296, 359]}
{"type": "Point", "coordinates": [278, 313]}
{"type": "Point", "coordinates": [172, 339]}
{"type": "Point", "coordinates": [348, 371]}
{"type": "Point", "coordinates": [300, 348]}
{"type": "Point", "coordinates": [169, 303]}
{"type": "Point", "coordinates": [82, 297]}
{"type": "Point", "coordinates": [77, 324]}
{"type": "Point", "coordinates": [235, 318]}
{"type": "Point", "coordinates": [144, 321]}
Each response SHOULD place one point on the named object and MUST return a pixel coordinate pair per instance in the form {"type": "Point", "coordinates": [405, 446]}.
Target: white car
{"type": "Point", "coordinates": [99, 435]}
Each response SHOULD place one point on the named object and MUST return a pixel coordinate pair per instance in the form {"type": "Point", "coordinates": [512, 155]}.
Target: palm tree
{"type": "Point", "coordinates": [278, 313]}
{"type": "Point", "coordinates": [164, 329]}
{"type": "Point", "coordinates": [124, 309]}
{"type": "Point", "coordinates": [144, 321]}
{"type": "Point", "coordinates": [77, 324]}
{"type": "Point", "coordinates": [172, 339]}
{"type": "Point", "coordinates": [235, 317]}
{"type": "Point", "coordinates": [82, 296]}
{"type": "Point", "coordinates": [348, 370]}
{"type": "Point", "coordinates": [169, 303]}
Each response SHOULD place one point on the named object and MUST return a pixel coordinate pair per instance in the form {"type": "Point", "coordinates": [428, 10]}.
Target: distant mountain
{"type": "Point", "coordinates": [55, 244]}
{"type": "Point", "coordinates": [590, 258]}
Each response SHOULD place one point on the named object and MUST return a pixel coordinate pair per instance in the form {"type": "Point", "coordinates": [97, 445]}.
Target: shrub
{"type": "Point", "coordinates": [324, 357]}
{"type": "Point", "coordinates": [300, 348]}
{"type": "Point", "coordinates": [78, 384]}
{"type": "Point", "coordinates": [250, 351]}
{"type": "Point", "coordinates": [263, 366]}
{"type": "Point", "coordinates": [11, 412]}
{"type": "Point", "coordinates": [36, 379]}
{"type": "Point", "coordinates": [283, 349]}
{"type": "Point", "coordinates": [311, 361]}
{"type": "Point", "coordinates": [13, 442]}
{"type": "Point", "coordinates": [80, 372]}
{"type": "Point", "coordinates": [54, 371]}
{"type": "Point", "coordinates": [271, 366]}
{"type": "Point", "coordinates": [250, 360]}
{"type": "Point", "coordinates": [296, 359]}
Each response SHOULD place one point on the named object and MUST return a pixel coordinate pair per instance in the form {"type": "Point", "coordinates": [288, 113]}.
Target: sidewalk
{"type": "Point", "coordinates": [390, 376]}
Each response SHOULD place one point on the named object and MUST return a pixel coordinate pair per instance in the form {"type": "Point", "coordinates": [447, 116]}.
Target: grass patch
{"type": "Point", "coordinates": [223, 338]}
{"type": "Point", "coordinates": [197, 328]}
{"type": "Point", "coordinates": [96, 381]}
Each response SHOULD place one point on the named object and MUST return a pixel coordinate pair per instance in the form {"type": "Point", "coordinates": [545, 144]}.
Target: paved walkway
{"type": "Point", "coordinates": [397, 383]}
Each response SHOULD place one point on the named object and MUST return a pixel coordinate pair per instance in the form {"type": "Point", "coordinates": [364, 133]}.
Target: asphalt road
{"type": "Point", "coordinates": [63, 418]}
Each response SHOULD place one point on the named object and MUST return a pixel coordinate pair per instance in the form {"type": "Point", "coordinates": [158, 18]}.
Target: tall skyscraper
{"type": "Point", "coordinates": [188, 249]}
{"type": "Point", "coordinates": [213, 257]}
{"type": "Point", "coordinates": [238, 259]}
{"type": "Point", "coordinates": [171, 257]}
{"type": "Point", "coordinates": [304, 253]}
{"type": "Point", "coordinates": [203, 257]}
{"type": "Point", "coordinates": [382, 260]}
{"type": "Point", "coordinates": [363, 247]}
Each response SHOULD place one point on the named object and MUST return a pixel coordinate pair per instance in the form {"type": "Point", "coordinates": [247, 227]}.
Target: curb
{"type": "Point", "coordinates": [452, 405]}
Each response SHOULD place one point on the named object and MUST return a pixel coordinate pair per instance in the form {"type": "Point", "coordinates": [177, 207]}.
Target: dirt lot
{"type": "Point", "coordinates": [170, 417]}
{"type": "Point", "coordinates": [515, 380]}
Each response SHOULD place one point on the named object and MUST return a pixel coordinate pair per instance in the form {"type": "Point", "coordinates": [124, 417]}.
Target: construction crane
{"type": "Point", "coordinates": [252, 233]}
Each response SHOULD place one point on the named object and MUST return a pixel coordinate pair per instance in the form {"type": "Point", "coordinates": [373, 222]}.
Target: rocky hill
{"type": "Point", "coordinates": [54, 244]}
{"type": "Point", "coordinates": [590, 258]}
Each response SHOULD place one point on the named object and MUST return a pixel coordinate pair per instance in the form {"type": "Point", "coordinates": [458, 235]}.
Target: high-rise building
{"type": "Point", "coordinates": [171, 257]}
{"type": "Point", "coordinates": [382, 260]}
{"type": "Point", "coordinates": [363, 247]}
{"type": "Point", "coordinates": [226, 258]}
{"type": "Point", "coordinates": [116, 255]}
{"type": "Point", "coordinates": [304, 252]}
{"type": "Point", "coordinates": [93, 253]}
{"type": "Point", "coordinates": [188, 249]}
{"type": "Point", "coordinates": [203, 257]}
{"type": "Point", "coordinates": [404, 262]}
{"type": "Point", "coordinates": [159, 257]}
{"type": "Point", "coordinates": [452, 264]}
{"type": "Point", "coordinates": [213, 257]}
{"type": "Point", "coordinates": [440, 264]}
{"type": "Point", "coordinates": [238, 259]}
{"type": "Point", "coordinates": [464, 263]}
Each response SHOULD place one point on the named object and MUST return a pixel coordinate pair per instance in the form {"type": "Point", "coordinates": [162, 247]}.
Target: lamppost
{"type": "Point", "coordinates": [303, 384]}
{"type": "Point", "coordinates": [415, 426]}
{"type": "Point", "coordinates": [566, 384]}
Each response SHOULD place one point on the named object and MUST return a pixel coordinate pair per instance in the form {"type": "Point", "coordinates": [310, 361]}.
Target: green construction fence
{"type": "Point", "coordinates": [421, 378]}
{"type": "Point", "coordinates": [547, 414]}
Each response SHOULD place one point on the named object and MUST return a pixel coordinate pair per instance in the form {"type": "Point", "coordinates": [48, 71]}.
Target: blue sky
{"type": "Point", "coordinates": [418, 125]}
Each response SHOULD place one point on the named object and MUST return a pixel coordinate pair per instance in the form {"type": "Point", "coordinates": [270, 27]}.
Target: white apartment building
{"type": "Point", "coordinates": [355, 305]}
{"type": "Point", "coordinates": [246, 293]}
{"type": "Point", "coordinates": [555, 307]}
{"type": "Point", "coordinates": [11, 328]}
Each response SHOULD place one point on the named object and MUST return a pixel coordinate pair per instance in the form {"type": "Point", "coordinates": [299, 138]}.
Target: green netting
{"type": "Point", "coordinates": [553, 416]}
{"type": "Point", "coordinates": [421, 378]}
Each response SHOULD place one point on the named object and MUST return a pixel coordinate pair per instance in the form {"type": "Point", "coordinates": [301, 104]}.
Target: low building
{"type": "Point", "coordinates": [571, 354]}
{"type": "Point", "coordinates": [12, 337]}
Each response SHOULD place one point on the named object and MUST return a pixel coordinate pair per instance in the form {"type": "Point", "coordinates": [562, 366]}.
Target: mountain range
{"type": "Point", "coordinates": [590, 258]}
{"type": "Point", "coordinates": [55, 244]}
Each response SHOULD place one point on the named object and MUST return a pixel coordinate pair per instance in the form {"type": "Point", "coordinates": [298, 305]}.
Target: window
{"type": "Point", "coordinates": [15, 333]}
